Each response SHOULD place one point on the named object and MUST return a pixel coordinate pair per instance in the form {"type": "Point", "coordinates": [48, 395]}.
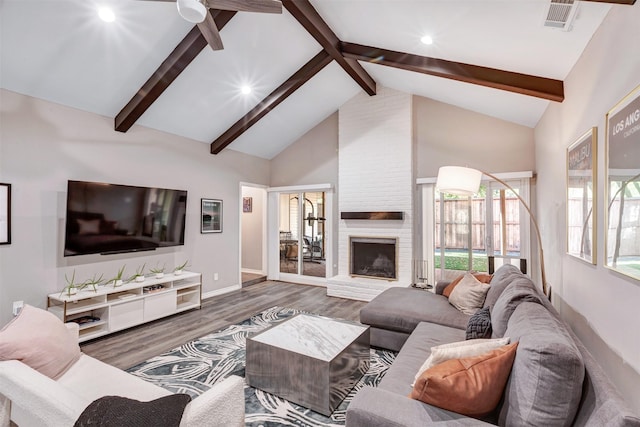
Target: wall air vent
{"type": "Point", "coordinates": [561, 14]}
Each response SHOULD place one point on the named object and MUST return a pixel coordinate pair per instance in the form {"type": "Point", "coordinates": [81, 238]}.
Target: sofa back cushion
{"type": "Point", "coordinates": [545, 386]}
{"type": "Point", "coordinates": [520, 290]}
{"type": "Point", "coordinates": [601, 404]}
{"type": "Point", "coordinates": [499, 281]}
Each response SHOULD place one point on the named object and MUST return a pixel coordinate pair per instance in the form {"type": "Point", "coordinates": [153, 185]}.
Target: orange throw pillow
{"type": "Point", "coordinates": [470, 386]}
{"type": "Point", "coordinates": [482, 278]}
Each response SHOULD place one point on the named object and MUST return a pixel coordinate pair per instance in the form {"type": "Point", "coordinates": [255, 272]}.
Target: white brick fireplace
{"type": "Point", "coordinates": [375, 174]}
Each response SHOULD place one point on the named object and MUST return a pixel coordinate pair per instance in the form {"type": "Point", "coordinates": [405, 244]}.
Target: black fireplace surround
{"type": "Point", "coordinates": [373, 257]}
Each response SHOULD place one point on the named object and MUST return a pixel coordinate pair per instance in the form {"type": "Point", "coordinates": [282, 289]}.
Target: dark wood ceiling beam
{"type": "Point", "coordinates": [292, 84]}
{"type": "Point", "coordinates": [311, 20]}
{"type": "Point", "coordinates": [525, 84]}
{"type": "Point", "coordinates": [176, 62]}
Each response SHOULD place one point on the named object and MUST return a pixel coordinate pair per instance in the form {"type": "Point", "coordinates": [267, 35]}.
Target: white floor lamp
{"type": "Point", "coordinates": [466, 182]}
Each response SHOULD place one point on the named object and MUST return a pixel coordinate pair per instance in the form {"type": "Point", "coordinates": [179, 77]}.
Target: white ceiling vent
{"type": "Point", "coordinates": [561, 14]}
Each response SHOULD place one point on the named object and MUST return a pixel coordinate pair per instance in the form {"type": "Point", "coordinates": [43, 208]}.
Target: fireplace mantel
{"type": "Point", "coordinates": [372, 215]}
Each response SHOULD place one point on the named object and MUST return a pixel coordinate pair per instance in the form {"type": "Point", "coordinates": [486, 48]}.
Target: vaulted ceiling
{"type": "Point", "coordinates": [152, 68]}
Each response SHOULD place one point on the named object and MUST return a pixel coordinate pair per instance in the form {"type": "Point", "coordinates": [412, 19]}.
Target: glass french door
{"type": "Point", "coordinates": [460, 235]}
{"type": "Point", "coordinates": [302, 233]}
{"type": "Point", "coordinates": [505, 241]}
{"type": "Point", "coordinates": [469, 231]}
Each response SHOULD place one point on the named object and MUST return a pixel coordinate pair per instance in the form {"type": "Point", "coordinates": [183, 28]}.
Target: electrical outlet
{"type": "Point", "coordinates": [17, 306]}
{"type": "Point", "coordinates": [215, 276]}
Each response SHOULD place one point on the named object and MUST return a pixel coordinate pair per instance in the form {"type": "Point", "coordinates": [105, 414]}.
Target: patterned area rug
{"type": "Point", "coordinates": [195, 366]}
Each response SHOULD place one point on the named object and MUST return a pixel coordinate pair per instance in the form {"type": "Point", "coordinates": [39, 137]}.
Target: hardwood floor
{"type": "Point", "coordinates": [132, 346]}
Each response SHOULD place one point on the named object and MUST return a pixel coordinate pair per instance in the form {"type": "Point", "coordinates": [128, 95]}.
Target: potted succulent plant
{"type": "Point", "coordinates": [93, 282]}
{"type": "Point", "coordinates": [158, 271]}
{"type": "Point", "coordinates": [178, 269]}
{"type": "Point", "coordinates": [72, 287]}
{"type": "Point", "coordinates": [117, 279]}
{"type": "Point", "coordinates": [138, 276]}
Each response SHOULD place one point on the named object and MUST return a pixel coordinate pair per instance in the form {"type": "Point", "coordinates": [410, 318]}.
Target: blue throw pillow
{"type": "Point", "coordinates": [479, 325]}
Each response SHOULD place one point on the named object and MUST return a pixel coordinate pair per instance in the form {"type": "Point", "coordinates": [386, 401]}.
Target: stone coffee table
{"type": "Point", "coordinates": [310, 360]}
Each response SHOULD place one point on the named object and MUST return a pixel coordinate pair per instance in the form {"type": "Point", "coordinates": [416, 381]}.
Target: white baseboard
{"type": "Point", "coordinates": [250, 271]}
{"type": "Point", "coordinates": [222, 291]}
{"type": "Point", "coordinates": [302, 280]}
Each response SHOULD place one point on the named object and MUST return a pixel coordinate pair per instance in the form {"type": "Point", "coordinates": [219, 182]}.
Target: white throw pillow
{"type": "Point", "coordinates": [468, 296]}
{"type": "Point", "coordinates": [460, 349]}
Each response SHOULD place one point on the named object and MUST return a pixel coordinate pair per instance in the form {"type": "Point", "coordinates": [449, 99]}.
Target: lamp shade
{"type": "Point", "coordinates": [458, 180]}
{"type": "Point", "coordinates": [192, 10]}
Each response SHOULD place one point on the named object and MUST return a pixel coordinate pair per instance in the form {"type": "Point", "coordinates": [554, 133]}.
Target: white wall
{"type": "Point", "coordinates": [450, 135]}
{"type": "Point", "coordinates": [601, 306]}
{"type": "Point", "coordinates": [312, 159]}
{"type": "Point", "coordinates": [42, 145]}
{"type": "Point", "coordinates": [375, 173]}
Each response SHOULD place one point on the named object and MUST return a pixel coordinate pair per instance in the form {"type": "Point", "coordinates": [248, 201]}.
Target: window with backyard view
{"type": "Point", "coordinates": [469, 230]}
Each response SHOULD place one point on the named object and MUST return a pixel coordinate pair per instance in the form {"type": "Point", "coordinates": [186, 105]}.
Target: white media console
{"type": "Point", "coordinates": [110, 309]}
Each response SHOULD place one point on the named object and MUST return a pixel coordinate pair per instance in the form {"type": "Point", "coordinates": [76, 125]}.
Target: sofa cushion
{"type": "Point", "coordinates": [479, 325]}
{"type": "Point", "coordinates": [470, 386]}
{"type": "Point", "coordinates": [94, 379]}
{"type": "Point", "coordinates": [545, 386]}
{"type": "Point", "coordinates": [499, 282]}
{"type": "Point", "coordinates": [416, 350]}
{"type": "Point", "coordinates": [116, 411]}
{"type": "Point", "coordinates": [375, 407]}
{"type": "Point", "coordinates": [456, 350]}
{"type": "Point", "coordinates": [468, 296]}
{"type": "Point", "coordinates": [520, 290]}
{"type": "Point", "coordinates": [40, 340]}
{"type": "Point", "coordinates": [401, 309]}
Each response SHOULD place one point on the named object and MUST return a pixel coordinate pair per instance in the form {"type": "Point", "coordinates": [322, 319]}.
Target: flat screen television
{"type": "Point", "coordinates": [111, 218]}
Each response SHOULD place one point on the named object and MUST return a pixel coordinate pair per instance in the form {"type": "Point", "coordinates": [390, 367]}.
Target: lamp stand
{"type": "Point", "coordinates": [535, 226]}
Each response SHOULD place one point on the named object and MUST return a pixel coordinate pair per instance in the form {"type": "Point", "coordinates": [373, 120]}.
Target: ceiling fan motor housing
{"type": "Point", "coordinates": [192, 10]}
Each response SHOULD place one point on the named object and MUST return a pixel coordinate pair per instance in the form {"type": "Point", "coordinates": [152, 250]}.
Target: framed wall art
{"type": "Point", "coordinates": [247, 204]}
{"type": "Point", "coordinates": [581, 196]}
{"type": "Point", "coordinates": [622, 186]}
{"type": "Point", "coordinates": [211, 216]}
{"type": "Point", "coordinates": [5, 214]}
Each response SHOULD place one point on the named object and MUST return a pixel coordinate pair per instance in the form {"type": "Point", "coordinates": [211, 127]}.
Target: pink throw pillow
{"type": "Point", "coordinates": [40, 340]}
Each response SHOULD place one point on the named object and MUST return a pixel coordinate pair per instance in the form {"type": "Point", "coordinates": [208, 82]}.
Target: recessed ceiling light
{"type": "Point", "coordinates": [245, 90]}
{"type": "Point", "coordinates": [106, 14]}
{"type": "Point", "coordinates": [426, 40]}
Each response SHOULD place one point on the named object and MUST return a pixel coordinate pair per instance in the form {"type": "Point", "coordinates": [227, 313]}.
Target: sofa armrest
{"type": "Point", "coordinates": [222, 405]}
{"type": "Point", "coordinates": [74, 329]}
{"type": "Point", "coordinates": [43, 399]}
{"type": "Point", "coordinates": [440, 285]}
{"type": "Point", "coordinates": [375, 407]}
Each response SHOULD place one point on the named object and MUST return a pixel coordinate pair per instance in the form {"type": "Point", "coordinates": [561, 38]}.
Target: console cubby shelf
{"type": "Point", "coordinates": [110, 309]}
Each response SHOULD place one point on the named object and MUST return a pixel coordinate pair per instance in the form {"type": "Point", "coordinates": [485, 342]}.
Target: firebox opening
{"type": "Point", "coordinates": [373, 257]}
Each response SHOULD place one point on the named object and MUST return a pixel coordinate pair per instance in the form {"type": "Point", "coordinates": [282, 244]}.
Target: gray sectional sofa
{"type": "Point", "coordinates": [554, 381]}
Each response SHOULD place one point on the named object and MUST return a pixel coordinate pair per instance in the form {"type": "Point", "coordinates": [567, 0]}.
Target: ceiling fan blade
{"type": "Point", "coordinates": [210, 32]}
{"type": "Point", "coordinates": [262, 6]}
